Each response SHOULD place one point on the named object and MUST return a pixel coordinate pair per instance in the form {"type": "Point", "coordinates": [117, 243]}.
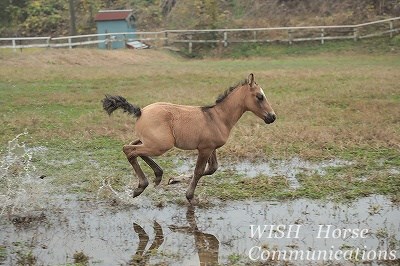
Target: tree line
{"type": "Point", "coordinates": [60, 17]}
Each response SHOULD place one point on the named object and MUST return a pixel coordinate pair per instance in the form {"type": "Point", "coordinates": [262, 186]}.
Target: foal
{"type": "Point", "coordinates": [162, 126]}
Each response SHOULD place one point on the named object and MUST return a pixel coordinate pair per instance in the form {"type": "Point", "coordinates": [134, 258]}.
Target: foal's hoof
{"type": "Point", "coordinates": [137, 192]}
{"type": "Point", "coordinates": [179, 179]}
{"type": "Point", "coordinates": [157, 181]}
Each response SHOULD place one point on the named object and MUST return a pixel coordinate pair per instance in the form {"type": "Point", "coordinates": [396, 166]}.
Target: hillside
{"type": "Point", "coordinates": [53, 17]}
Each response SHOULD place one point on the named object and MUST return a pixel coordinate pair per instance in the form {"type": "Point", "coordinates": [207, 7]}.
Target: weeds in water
{"type": "Point", "coordinates": [3, 254]}
{"type": "Point", "coordinates": [234, 258]}
{"type": "Point", "coordinates": [81, 258]}
{"type": "Point", "coordinates": [26, 259]}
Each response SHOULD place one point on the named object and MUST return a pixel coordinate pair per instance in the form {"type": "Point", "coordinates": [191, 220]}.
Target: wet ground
{"type": "Point", "coordinates": [41, 227]}
{"type": "Point", "coordinates": [117, 233]}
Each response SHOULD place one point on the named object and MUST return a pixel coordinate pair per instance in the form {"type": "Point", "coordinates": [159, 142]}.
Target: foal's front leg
{"type": "Point", "coordinates": [198, 172]}
{"type": "Point", "coordinates": [212, 164]}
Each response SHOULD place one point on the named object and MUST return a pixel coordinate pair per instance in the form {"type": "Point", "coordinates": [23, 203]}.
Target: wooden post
{"type": "Point", "coordinates": [48, 42]}
{"type": "Point", "coordinates": [322, 36]}
{"type": "Point", "coordinates": [108, 42]}
{"type": "Point", "coordinates": [125, 40]}
{"type": "Point", "coordinates": [69, 43]}
{"type": "Point", "coordinates": [255, 36]}
{"type": "Point", "coordinates": [166, 42]}
{"type": "Point", "coordinates": [190, 43]}
{"type": "Point", "coordinates": [391, 29]}
{"type": "Point", "coordinates": [14, 45]}
{"type": "Point", "coordinates": [225, 39]}
{"type": "Point", "coordinates": [355, 33]}
{"type": "Point", "coordinates": [290, 36]}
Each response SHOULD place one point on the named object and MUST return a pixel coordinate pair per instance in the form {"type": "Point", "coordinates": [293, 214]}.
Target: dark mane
{"type": "Point", "coordinates": [228, 91]}
{"type": "Point", "coordinates": [225, 94]}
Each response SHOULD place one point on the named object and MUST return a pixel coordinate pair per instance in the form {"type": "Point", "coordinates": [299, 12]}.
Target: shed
{"type": "Point", "coordinates": [114, 21]}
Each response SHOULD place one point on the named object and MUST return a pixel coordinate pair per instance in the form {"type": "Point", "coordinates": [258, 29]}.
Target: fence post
{"type": "Point", "coordinates": [290, 36]}
{"type": "Point", "coordinates": [391, 28]}
{"type": "Point", "coordinates": [355, 34]}
{"type": "Point", "coordinates": [108, 42]}
{"type": "Point", "coordinates": [322, 36]}
{"type": "Point", "coordinates": [14, 45]}
{"type": "Point", "coordinates": [166, 42]}
{"type": "Point", "coordinates": [190, 43]}
{"type": "Point", "coordinates": [48, 42]}
{"type": "Point", "coordinates": [225, 39]}
{"type": "Point", "coordinates": [255, 36]}
{"type": "Point", "coordinates": [69, 43]}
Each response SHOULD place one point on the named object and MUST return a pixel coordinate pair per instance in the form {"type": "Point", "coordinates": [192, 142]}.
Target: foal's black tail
{"type": "Point", "coordinates": [112, 103]}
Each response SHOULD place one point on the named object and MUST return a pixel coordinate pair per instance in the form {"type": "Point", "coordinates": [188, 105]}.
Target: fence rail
{"type": "Point", "coordinates": [389, 27]}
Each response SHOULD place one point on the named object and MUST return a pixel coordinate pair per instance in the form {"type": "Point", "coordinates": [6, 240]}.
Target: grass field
{"type": "Point", "coordinates": [329, 105]}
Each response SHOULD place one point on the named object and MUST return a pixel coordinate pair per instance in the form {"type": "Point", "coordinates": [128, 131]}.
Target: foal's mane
{"type": "Point", "coordinates": [225, 94]}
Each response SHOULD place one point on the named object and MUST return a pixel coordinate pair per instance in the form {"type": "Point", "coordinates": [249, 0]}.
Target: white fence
{"type": "Point", "coordinates": [217, 36]}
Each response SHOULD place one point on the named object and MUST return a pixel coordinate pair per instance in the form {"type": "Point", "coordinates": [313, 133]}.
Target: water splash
{"type": "Point", "coordinates": [106, 188]}
{"type": "Point", "coordinates": [19, 186]}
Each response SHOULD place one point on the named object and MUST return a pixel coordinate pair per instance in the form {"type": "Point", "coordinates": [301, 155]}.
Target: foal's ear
{"type": "Point", "coordinates": [250, 79]}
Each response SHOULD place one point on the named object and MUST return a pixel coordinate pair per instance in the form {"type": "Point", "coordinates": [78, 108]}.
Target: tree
{"type": "Point", "coordinates": [45, 17]}
{"type": "Point", "coordinates": [72, 18]}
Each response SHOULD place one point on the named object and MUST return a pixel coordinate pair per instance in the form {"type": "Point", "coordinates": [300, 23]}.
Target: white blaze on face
{"type": "Point", "coordinates": [262, 92]}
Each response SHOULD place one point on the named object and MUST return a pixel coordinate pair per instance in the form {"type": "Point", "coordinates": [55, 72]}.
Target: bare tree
{"type": "Point", "coordinates": [72, 23]}
{"type": "Point", "coordinates": [166, 6]}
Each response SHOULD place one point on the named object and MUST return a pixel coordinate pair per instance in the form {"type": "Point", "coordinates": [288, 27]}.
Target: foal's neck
{"type": "Point", "coordinates": [231, 109]}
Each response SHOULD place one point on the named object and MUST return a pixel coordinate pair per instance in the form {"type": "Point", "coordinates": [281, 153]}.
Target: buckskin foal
{"type": "Point", "coordinates": [162, 126]}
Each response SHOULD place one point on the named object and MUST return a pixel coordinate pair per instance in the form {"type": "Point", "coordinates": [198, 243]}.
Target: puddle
{"type": "Point", "coordinates": [288, 168]}
{"type": "Point", "coordinates": [176, 235]}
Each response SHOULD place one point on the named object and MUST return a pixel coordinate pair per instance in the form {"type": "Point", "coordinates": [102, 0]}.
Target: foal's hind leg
{"type": "Point", "coordinates": [143, 183]}
{"type": "Point", "coordinates": [158, 172]}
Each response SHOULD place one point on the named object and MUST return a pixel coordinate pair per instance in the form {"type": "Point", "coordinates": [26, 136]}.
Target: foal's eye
{"type": "Point", "coordinates": [260, 97]}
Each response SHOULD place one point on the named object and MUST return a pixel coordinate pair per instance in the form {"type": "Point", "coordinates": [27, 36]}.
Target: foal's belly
{"type": "Point", "coordinates": [188, 125]}
{"type": "Point", "coordinates": [194, 136]}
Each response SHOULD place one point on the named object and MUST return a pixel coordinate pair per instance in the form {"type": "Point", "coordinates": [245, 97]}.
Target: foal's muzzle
{"type": "Point", "coordinates": [270, 118]}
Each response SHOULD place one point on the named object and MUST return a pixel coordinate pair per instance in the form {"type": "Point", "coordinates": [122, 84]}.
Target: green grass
{"type": "Point", "coordinates": [276, 50]}
{"type": "Point", "coordinates": [331, 102]}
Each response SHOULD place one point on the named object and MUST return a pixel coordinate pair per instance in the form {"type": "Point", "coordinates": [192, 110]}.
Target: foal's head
{"type": "Point", "coordinates": [256, 101]}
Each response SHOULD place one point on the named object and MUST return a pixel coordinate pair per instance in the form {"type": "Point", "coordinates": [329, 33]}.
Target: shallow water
{"type": "Point", "coordinates": [120, 233]}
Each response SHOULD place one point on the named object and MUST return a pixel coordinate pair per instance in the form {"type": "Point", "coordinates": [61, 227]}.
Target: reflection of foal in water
{"type": "Point", "coordinates": [207, 245]}
{"type": "Point", "coordinates": [161, 126]}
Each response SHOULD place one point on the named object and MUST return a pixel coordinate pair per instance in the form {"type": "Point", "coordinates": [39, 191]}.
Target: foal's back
{"type": "Point", "coordinates": [185, 127]}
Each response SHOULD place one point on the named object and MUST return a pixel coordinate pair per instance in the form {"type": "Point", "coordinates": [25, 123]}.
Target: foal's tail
{"type": "Point", "coordinates": [112, 103]}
